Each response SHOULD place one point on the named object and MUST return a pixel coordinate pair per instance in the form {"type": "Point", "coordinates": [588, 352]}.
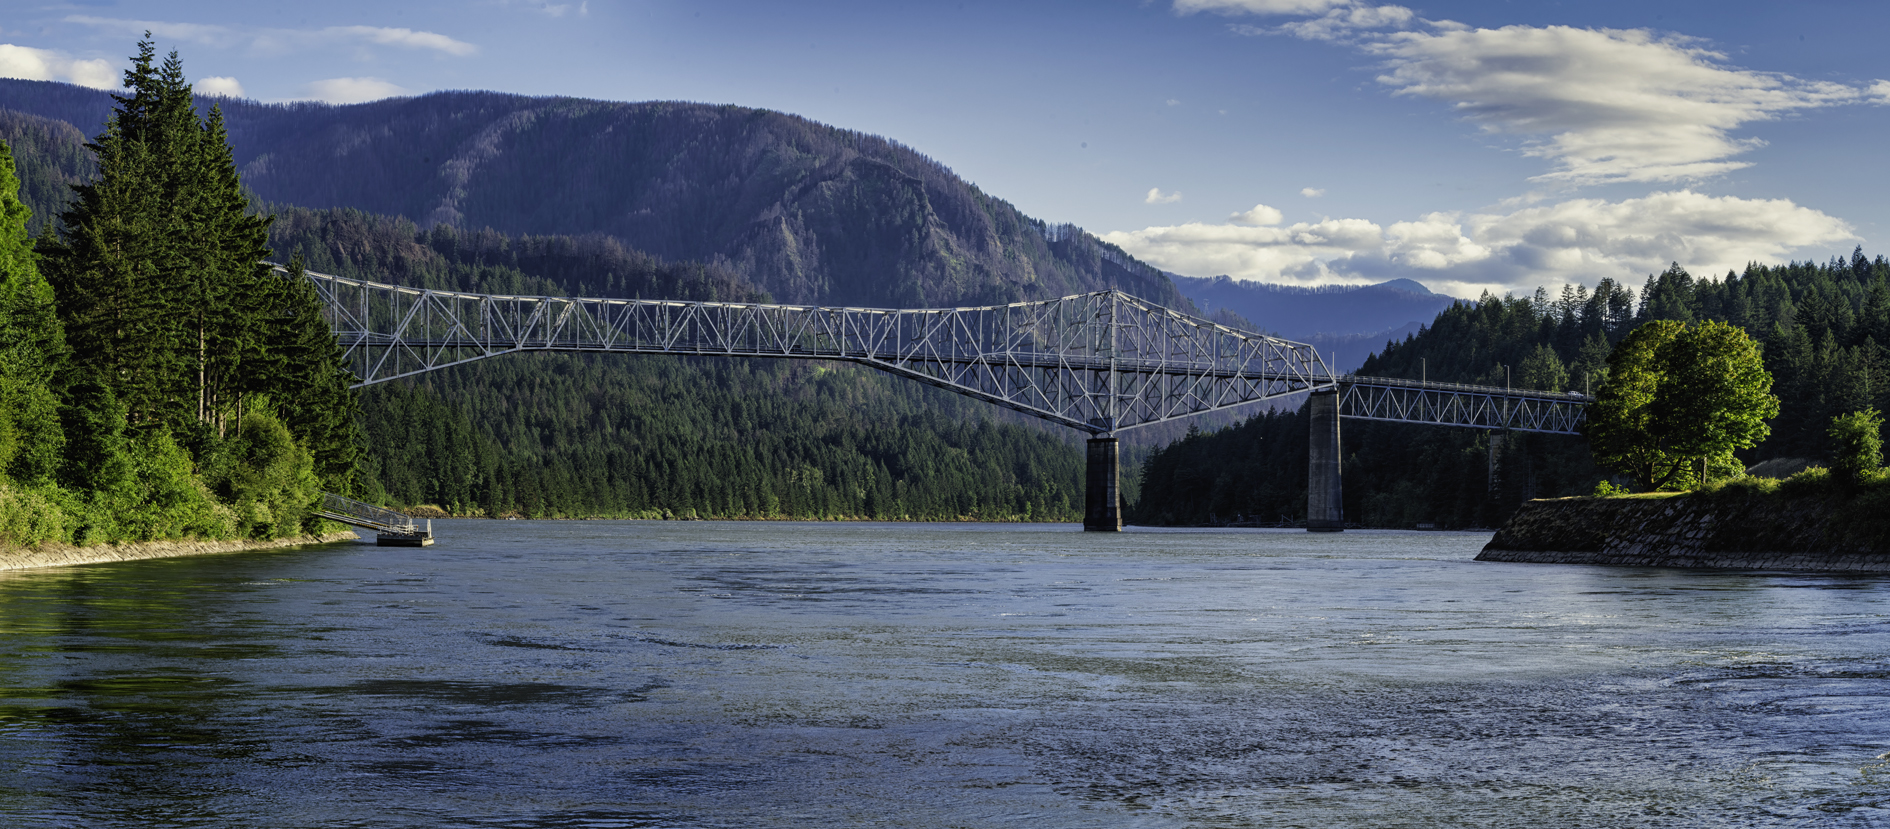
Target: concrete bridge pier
{"type": "Point", "coordinates": [1325, 503]}
{"type": "Point", "coordinates": [1496, 463]}
{"type": "Point", "coordinates": [1102, 495]}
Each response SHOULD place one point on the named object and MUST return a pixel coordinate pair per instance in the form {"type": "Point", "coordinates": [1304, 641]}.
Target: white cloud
{"type": "Point", "coordinates": [1260, 216]}
{"type": "Point", "coordinates": [214, 85]}
{"type": "Point", "coordinates": [272, 41]}
{"type": "Point", "coordinates": [1580, 240]}
{"type": "Point", "coordinates": [1294, 253]}
{"type": "Point", "coordinates": [1173, 103]}
{"type": "Point", "coordinates": [352, 90]}
{"type": "Point", "coordinates": [1258, 6]}
{"type": "Point", "coordinates": [1602, 105]}
{"type": "Point", "coordinates": [550, 9]}
{"type": "Point", "coordinates": [32, 64]}
{"type": "Point", "coordinates": [1156, 196]}
{"type": "Point", "coordinates": [1340, 23]}
{"type": "Point", "coordinates": [403, 37]}
{"type": "Point", "coordinates": [1312, 192]}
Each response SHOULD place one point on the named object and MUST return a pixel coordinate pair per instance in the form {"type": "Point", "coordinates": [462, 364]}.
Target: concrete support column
{"type": "Point", "coordinates": [1496, 463]}
{"type": "Point", "coordinates": [1102, 496]}
{"type": "Point", "coordinates": [1325, 497]}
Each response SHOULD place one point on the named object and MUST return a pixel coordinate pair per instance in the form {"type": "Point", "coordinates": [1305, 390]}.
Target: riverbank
{"type": "Point", "coordinates": [62, 555]}
{"type": "Point", "coordinates": [1725, 529]}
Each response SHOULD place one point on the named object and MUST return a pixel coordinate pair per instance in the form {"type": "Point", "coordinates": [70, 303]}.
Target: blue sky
{"type": "Point", "coordinates": [1468, 145]}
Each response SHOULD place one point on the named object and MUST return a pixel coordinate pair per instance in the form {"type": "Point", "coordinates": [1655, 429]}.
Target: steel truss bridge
{"type": "Point", "coordinates": [1100, 362]}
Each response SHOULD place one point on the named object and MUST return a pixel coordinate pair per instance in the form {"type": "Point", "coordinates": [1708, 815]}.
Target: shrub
{"type": "Point", "coordinates": [34, 515]}
{"type": "Point", "coordinates": [1857, 443]}
{"type": "Point", "coordinates": [1813, 481]}
{"type": "Point", "coordinates": [267, 479]}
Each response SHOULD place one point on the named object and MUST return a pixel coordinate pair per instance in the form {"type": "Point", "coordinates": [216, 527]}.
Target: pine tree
{"type": "Point", "coordinates": [121, 251]}
{"type": "Point", "coordinates": [32, 346]}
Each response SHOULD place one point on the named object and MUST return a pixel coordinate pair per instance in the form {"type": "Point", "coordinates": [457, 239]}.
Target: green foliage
{"type": "Point", "coordinates": [31, 346]}
{"type": "Point", "coordinates": [35, 515]}
{"type": "Point", "coordinates": [1676, 396]}
{"type": "Point", "coordinates": [155, 318]}
{"type": "Point", "coordinates": [266, 477]}
{"type": "Point", "coordinates": [1858, 441]}
{"type": "Point", "coordinates": [1814, 481]}
{"type": "Point", "coordinates": [1607, 489]}
{"type": "Point", "coordinates": [162, 498]}
{"type": "Point", "coordinates": [1543, 370]}
{"type": "Point", "coordinates": [645, 436]}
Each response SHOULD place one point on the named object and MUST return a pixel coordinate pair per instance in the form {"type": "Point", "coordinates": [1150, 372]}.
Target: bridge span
{"type": "Point", "coordinates": [1101, 362]}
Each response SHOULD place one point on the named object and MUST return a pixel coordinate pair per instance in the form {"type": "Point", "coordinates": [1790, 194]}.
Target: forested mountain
{"type": "Point", "coordinates": [807, 212]}
{"type": "Point", "coordinates": [1302, 314]}
{"type": "Point", "coordinates": [1826, 335]}
{"type": "Point", "coordinates": [50, 157]}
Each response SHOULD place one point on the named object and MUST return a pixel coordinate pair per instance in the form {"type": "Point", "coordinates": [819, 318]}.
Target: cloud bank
{"type": "Point", "coordinates": [31, 64]}
{"type": "Point", "coordinates": [275, 41]}
{"type": "Point", "coordinates": [214, 85]}
{"type": "Point", "coordinates": [1580, 240]}
{"type": "Point", "coordinates": [352, 90]}
{"type": "Point", "coordinates": [1600, 105]}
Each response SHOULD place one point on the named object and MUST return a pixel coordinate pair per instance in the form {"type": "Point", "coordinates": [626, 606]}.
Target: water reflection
{"type": "Point", "coordinates": [702, 674]}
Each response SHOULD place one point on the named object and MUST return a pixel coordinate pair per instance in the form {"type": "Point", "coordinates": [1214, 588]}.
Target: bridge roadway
{"type": "Point", "coordinates": [1101, 363]}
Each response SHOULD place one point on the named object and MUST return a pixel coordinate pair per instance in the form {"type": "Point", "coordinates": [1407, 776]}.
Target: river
{"type": "Point", "coordinates": [704, 674]}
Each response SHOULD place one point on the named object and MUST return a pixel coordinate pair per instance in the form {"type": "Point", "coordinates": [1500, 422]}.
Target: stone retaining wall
{"type": "Point", "coordinates": [1745, 533]}
{"type": "Point", "coordinates": [59, 555]}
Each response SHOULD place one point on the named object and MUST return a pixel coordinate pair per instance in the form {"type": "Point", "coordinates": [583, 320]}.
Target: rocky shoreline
{"type": "Point", "coordinates": [62, 555]}
{"type": "Point", "coordinates": [1762, 532]}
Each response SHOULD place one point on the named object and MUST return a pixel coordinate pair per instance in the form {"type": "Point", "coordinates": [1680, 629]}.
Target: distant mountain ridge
{"type": "Point", "coordinates": [808, 212]}
{"type": "Point", "coordinates": [1328, 311]}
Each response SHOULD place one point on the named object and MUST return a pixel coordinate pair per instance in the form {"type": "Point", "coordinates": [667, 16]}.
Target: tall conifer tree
{"type": "Point", "coordinates": [163, 285]}
{"type": "Point", "coordinates": [32, 346]}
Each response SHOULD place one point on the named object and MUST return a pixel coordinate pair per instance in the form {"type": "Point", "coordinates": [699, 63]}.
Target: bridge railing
{"type": "Point", "coordinates": [363, 514]}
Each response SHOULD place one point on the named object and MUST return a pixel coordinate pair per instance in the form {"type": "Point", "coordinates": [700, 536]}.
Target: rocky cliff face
{"type": "Point", "coordinates": [1769, 532]}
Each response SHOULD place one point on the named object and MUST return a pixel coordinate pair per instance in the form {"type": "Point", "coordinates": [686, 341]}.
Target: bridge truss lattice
{"type": "Point", "coordinates": [1099, 362]}
{"type": "Point", "coordinates": [1449, 404]}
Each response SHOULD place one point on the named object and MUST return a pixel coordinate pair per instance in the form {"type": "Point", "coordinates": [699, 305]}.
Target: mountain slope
{"type": "Point", "coordinates": [808, 212]}
{"type": "Point", "coordinates": [1335, 311]}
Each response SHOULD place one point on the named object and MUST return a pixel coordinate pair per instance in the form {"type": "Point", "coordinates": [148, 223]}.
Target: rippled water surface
{"type": "Point", "coordinates": [631, 674]}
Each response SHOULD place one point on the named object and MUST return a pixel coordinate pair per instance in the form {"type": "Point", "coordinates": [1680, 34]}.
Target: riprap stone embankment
{"type": "Point", "coordinates": [58, 555]}
{"type": "Point", "coordinates": [1755, 532]}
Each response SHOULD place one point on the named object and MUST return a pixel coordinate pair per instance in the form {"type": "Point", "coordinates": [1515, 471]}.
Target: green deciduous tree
{"type": "Point", "coordinates": [1677, 395]}
{"type": "Point", "coordinates": [1857, 446]}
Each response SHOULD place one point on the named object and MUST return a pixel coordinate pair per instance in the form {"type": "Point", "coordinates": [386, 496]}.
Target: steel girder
{"type": "Point", "coordinates": [1098, 362]}
{"type": "Point", "coordinates": [1447, 404]}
